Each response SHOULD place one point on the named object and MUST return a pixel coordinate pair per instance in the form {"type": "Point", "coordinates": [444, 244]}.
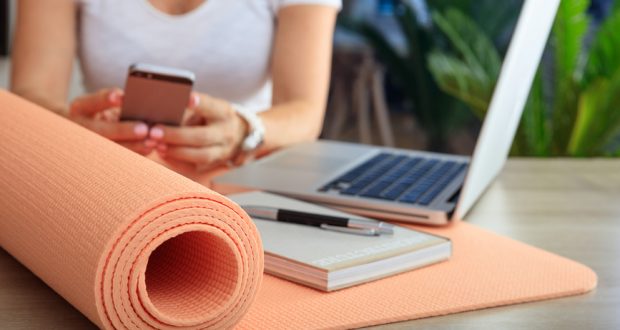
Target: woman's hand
{"type": "Point", "coordinates": [211, 135]}
{"type": "Point", "coordinates": [100, 112]}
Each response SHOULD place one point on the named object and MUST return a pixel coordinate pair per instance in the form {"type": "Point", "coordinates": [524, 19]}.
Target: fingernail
{"type": "Point", "coordinates": [156, 133]}
{"type": "Point", "coordinates": [150, 143]}
{"type": "Point", "coordinates": [141, 129]}
{"type": "Point", "coordinates": [114, 97]}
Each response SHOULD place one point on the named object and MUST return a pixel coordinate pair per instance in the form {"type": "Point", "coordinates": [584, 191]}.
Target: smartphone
{"type": "Point", "coordinates": [156, 94]}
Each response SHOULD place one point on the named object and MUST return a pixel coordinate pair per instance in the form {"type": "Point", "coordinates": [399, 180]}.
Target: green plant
{"type": "Point", "coordinates": [472, 76]}
{"type": "Point", "coordinates": [572, 108]}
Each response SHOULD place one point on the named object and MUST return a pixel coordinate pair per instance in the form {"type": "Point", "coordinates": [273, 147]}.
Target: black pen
{"type": "Point", "coordinates": [341, 224]}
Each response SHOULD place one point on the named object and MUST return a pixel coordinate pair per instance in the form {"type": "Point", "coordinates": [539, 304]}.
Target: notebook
{"type": "Point", "coordinates": [328, 260]}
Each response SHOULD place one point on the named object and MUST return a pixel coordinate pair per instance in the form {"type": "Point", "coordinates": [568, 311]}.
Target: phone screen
{"type": "Point", "coordinates": [155, 98]}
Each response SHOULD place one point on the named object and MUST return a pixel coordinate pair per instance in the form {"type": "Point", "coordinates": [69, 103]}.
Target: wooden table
{"type": "Point", "coordinates": [569, 207]}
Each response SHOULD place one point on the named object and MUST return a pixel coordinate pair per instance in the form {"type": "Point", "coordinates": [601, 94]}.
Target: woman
{"type": "Point", "coordinates": [272, 57]}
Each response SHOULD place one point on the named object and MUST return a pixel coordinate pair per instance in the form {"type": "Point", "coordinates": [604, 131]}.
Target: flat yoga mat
{"type": "Point", "coordinates": [486, 270]}
{"type": "Point", "coordinates": [126, 241]}
{"type": "Point", "coordinates": [86, 216]}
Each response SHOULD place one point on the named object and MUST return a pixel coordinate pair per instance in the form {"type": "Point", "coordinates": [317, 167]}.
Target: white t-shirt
{"type": "Point", "coordinates": [226, 43]}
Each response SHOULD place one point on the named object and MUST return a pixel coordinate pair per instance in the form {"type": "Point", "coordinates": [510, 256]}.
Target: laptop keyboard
{"type": "Point", "coordinates": [406, 179]}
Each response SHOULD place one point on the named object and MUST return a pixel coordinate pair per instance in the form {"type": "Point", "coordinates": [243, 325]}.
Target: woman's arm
{"type": "Point", "coordinates": [43, 52]}
{"type": "Point", "coordinates": [42, 60]}
{"type": "Point", "coordinates": [301, 64]}
{"type": "Point", "coordinates": [300, 71]}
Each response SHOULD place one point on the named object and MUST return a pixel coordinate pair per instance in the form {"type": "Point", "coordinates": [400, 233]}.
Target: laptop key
{"type": "Point", "coordinates": [426, 183]}
{"type": "Point", "coordinates": [375, 190]}
{"type": "Point", "coordinates": [412, 195]}
{"type": "Point", "coordinates": [430, 195]}
{"type": "Point", "coordinates": [361, 169]}
{"type": "Point", "coordinates": [355, 173]}
{"type": "Point", "coordinates": [373, 175]}
{"type": "Point", "coordinates": [394, 192]}
{"type": "Point", "coordinates": [409, 179]}
{"type": "Point", "coordinates": [388, 179]}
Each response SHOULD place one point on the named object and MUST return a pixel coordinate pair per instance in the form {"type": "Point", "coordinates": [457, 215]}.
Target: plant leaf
{"type": "Point", "coordinates": [598, 118]}
{"type": "Point", "coordinates": [534, 127]}
{"type": "Point", "coordinates": [471, 42]}
{"type": "Point", "coordinates": [497, 21]}
{"type": "Point", "coordinates": [569, 30]}
{"type": "Point", "coordinates": [604, 56]}
{"type": "Point", "coordinates": [472, 78]}
{"type": "Point", "coordinates": [581, 142]}
{"type": "Point", "coordinates": [457, 78]}
{"type": "Point", "coordinates": [417, 48]}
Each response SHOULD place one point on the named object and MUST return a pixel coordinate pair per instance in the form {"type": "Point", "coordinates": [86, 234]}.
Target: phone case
{"type": "Point", "coordinates": [156, 94]}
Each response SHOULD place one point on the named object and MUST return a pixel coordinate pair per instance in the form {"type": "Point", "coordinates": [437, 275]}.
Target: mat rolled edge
{"type": "Point", "coordinates": [190, 261]}
{"type": "Point", "coordinates": [129, 243]}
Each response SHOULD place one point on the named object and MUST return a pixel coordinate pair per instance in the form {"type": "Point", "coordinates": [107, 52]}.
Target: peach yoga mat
{"type": "Point", "coordinates": [67, 194]}
{"type": "Point", "coordinates": [126, 241]}
{"type": "Point", "coordinates": [486, 270]}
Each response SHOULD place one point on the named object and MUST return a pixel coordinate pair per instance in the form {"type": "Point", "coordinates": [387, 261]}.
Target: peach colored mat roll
{"type": "Point", "coordinates": [127, 242]}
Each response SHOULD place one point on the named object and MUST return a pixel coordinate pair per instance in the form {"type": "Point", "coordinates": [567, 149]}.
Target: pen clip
{"type": "Point", "coordinates": [357, 231]}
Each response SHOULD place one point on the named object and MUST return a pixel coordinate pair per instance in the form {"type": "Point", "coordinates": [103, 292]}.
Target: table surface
{"type": "Point", "coordinates": [569, 207]}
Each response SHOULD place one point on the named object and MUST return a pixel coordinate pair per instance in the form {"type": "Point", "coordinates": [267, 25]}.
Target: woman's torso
{"type": "Point", "coordinates": [226, 43]}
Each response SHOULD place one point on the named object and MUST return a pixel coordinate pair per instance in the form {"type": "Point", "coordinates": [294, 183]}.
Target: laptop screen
{"type": "Point", "coordinates": [516, 79]}
{"type": "Point", "coordinates": [441, 60]}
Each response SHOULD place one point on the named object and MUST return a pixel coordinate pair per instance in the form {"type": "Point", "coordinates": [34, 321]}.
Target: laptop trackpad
{"type": "Point", "coordinates": [309, 163]}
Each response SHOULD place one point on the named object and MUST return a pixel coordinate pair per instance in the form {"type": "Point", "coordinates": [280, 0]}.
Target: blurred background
{"type": "Point", "coordinates": [420, 74]}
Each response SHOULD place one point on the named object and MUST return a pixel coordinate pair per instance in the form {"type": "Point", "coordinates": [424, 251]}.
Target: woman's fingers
{"type": "Point", "coordinates": [117, 131]}
{"type": "Point", "coordinates": [211, 108]}
{"type": "Point", "coordinates": [192, 118]}
{"type": "Point", "coordinates": [112, 115]}
{"type": "Point", "coordinates": [214, 139]}
{"type": "Point", "coordinates": [193, 136]}
{"type": "Point", "coordinates": [91, 104]}
{"type": "Point", "coordinates": [138, 147]}
{"type": "Point", "coordinates": [194, 100]}
{"type": "Point", "coordinates": [197, 156]}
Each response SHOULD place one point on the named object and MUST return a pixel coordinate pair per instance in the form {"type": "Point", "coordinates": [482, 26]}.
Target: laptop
{"type": "Point", "coordinates": [407, 185]}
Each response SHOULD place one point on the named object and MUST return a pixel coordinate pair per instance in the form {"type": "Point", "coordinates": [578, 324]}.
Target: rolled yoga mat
{"type": "Point", "coordinates": [127, 242]}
